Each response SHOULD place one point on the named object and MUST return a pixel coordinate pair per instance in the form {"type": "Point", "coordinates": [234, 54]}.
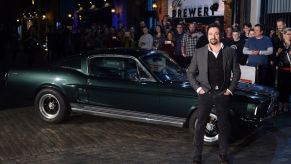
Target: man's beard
{"type": "Point", "coordinates": [213, 41]}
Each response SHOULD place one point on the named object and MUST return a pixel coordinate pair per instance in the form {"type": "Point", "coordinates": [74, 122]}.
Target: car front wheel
{"type": "Point", "coordinates": [211, 129]}
{"type": "Point", "coordinates": [51, 106]}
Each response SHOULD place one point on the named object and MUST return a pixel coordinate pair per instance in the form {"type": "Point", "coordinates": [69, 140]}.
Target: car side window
{"type": "Point", "coordinates": [107, 67]}
{"type": "Point", "coordinates": [116, 68]}
{"type": "Point", "coordinates": [134, 72]}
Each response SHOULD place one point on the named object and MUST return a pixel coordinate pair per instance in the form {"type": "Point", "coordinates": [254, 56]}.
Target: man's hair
{"type": "Point", "coordinates": [235, 30]}
{"type": "Point", "coordinates": [248, 25]}
{"type": "Point", "coordinates": [179, 24]}
{"type": "Point", "coordinates": [261, 27]}
{"type": "Point", "coordinates": [214, 25]}
{"type": "Point", "coordinates": [281, 20]}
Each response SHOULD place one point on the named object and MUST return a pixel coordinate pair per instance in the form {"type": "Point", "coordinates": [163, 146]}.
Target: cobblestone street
{"type": "Point", "coordinates": [24, 138]}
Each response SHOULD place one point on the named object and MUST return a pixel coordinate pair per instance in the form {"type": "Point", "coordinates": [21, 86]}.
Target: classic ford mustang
{"type": "Point", "coordinates": [132, 84]}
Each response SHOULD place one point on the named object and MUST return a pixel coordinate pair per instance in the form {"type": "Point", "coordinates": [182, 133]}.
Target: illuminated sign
{"type": "Point", "coordinates": [195, 8]}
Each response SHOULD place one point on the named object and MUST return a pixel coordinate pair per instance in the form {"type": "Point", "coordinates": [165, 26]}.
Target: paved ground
{"type": "Point", "coordinates": [84, 139]}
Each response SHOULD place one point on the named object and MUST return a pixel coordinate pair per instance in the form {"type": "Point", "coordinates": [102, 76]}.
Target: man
{"type": "Point", "coordinates": [139, 30]}
{"type": "Point", "coordinates": [209, 74]}
{"type": "Point", "coordinates": [228, 36]}
{"type": "Point", "coordinates": [278, 37]}
{"type": "Point", "coordinates": [238, 44]}
{"type": "Point", "coordinates": [189, 43]}
{"type": "Point", "coordinates": [146, 40]}
{"type": "Point", "coordinates": [259, 48]}
{"type": "Point", "coordinates": [277, 40]}
{"type": "Point", "coordinates": [178, 38]}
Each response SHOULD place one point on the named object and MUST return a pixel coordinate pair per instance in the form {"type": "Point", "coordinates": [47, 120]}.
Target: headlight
{"type": "Point", "coordinates": [251, 108]}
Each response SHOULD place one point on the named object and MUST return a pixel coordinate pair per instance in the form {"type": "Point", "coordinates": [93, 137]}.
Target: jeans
{"type": "Point", "coordinates": [206, 102]}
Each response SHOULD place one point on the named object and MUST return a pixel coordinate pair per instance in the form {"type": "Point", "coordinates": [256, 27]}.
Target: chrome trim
{"type": "Point", "coordinates": [256, 120]}
{"type": "Point", "coordinates": [256, 110]}
{"type": "Point", "coordinates": [129, 115]}
{"type": "Point", "coordinates": [214, 138]}
{"type": "Point", "coordinates": [271, 107]}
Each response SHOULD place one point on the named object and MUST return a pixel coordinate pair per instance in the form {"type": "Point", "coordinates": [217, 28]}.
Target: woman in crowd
{"type": "Point", "coordinates": [169, 44]}
{"type": "Point", "coordinates": [246, 31]}
{"type": "Point", "coordinates": [159, 37]}
{"type": "Point", "coordinates": [284, 77]}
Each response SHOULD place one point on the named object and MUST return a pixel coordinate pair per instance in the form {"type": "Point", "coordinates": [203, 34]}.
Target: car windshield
{"type": "Point", "coordinates": [164, 67]}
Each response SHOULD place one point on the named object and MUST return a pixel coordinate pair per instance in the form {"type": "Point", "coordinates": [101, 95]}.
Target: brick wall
{"type": "Point", "coordinates": [227, 13]}
{"type": "Point", "coordinates": [162, 9]}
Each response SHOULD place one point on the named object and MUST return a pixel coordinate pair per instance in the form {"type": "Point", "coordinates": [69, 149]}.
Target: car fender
{"type": "Point", "coordinates": [50, 86]}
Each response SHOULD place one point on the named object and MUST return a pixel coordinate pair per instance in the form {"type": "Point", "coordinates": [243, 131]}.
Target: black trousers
{"type": "Point", "coordinates": [263, 74]}
{"type": "Point", "coordinates": [205, 104]}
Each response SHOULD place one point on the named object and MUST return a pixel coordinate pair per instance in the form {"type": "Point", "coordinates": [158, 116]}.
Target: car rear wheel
{"type": "Point", "coordinates": [211, 130]}
{"type": "Point", "coordinates": [51, 106]}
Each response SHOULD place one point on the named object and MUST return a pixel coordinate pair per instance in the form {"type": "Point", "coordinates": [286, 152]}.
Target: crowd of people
{"type": "Point", "coordinates": [256, 46]}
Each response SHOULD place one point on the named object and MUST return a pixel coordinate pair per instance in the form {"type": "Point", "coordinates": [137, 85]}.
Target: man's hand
{"type": "Point", "coordinates": [201, 92]}
{"type": "Point", "coordinates": [194, 35]}
{"type": "Point", "coordinates": [256, 52]}
{"type": "Point", "coordinates": [279, 51]}
{"type": "Point", "coordinates": [226, 93]}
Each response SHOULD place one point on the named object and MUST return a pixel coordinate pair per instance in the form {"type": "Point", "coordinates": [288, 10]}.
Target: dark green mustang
{"type": "Point", "coordinates": [132, 84]}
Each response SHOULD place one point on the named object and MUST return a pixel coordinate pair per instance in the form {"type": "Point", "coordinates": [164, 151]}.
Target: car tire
{"type": "Point", "coordinates": [211, 129]}
{"type": "Point", "coordinates": [51, 106]}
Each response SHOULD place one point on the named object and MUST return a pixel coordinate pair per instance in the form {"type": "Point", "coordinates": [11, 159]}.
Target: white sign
{"type": "Point", "coordinates": [248, 74]}
{"type": "Point", "coordinates": [195, 8]}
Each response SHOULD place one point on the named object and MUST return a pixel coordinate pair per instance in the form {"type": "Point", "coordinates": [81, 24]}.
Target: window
{"type": "Point", "coordinates": [116, 68]}
{"type": "Point", "coordinates": [163, 67]}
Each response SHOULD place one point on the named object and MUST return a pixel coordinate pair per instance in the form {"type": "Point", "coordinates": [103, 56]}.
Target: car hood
{"type": "Point", "coordinates": [242, 88]}
{"type": "Point", "coordinates": [258, 89]}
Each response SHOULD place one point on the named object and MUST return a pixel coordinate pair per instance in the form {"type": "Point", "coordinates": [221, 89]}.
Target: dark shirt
{"type": "Point", "coordinates": [238, 46]}
{"type": "Point", "coordinates": [285, 58]}
{"type": "Point", "coordinates": [178, 39]}
{"type": "Point", "coordinates": [215, 71]}
{"type": "Point", "coordinates": [168, 48]}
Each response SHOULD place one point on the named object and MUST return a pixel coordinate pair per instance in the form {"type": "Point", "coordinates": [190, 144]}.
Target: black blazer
{"type": "Point", "coordinates": [197, 71]}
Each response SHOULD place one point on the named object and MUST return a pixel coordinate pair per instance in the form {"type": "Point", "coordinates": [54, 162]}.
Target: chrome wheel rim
{"type": "Point", "coordinates": [211, 129]}
{"type": "Point", "coordinates": [49, 106]}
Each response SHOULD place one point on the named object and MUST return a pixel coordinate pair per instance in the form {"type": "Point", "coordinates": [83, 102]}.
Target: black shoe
{"type": "Point", "coordinates": [197, 162]}
{"type": "Point", "coordinates": [197, 159]}
{"type": "Point", "coordinates": [223, 159]}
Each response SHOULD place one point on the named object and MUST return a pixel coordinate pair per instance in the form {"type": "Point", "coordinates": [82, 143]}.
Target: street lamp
{"type": "Point", "coordinates": [113, 10]}
{"type": "Point", "coordinates": [155, 6]}
{"type": "Point", "coordinates": [43, 17]}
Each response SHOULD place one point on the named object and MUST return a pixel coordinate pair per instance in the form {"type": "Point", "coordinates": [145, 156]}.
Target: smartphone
{"type": "Point", "coordinates": [126, 34]}
{"type": "Point", "coordinates": [168, 42]}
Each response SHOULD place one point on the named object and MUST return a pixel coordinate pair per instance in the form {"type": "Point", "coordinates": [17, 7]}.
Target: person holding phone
{"type": "Point", "coordinates": [284, 74]}
{"type": "Point", "coordinates": [169, 44]}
